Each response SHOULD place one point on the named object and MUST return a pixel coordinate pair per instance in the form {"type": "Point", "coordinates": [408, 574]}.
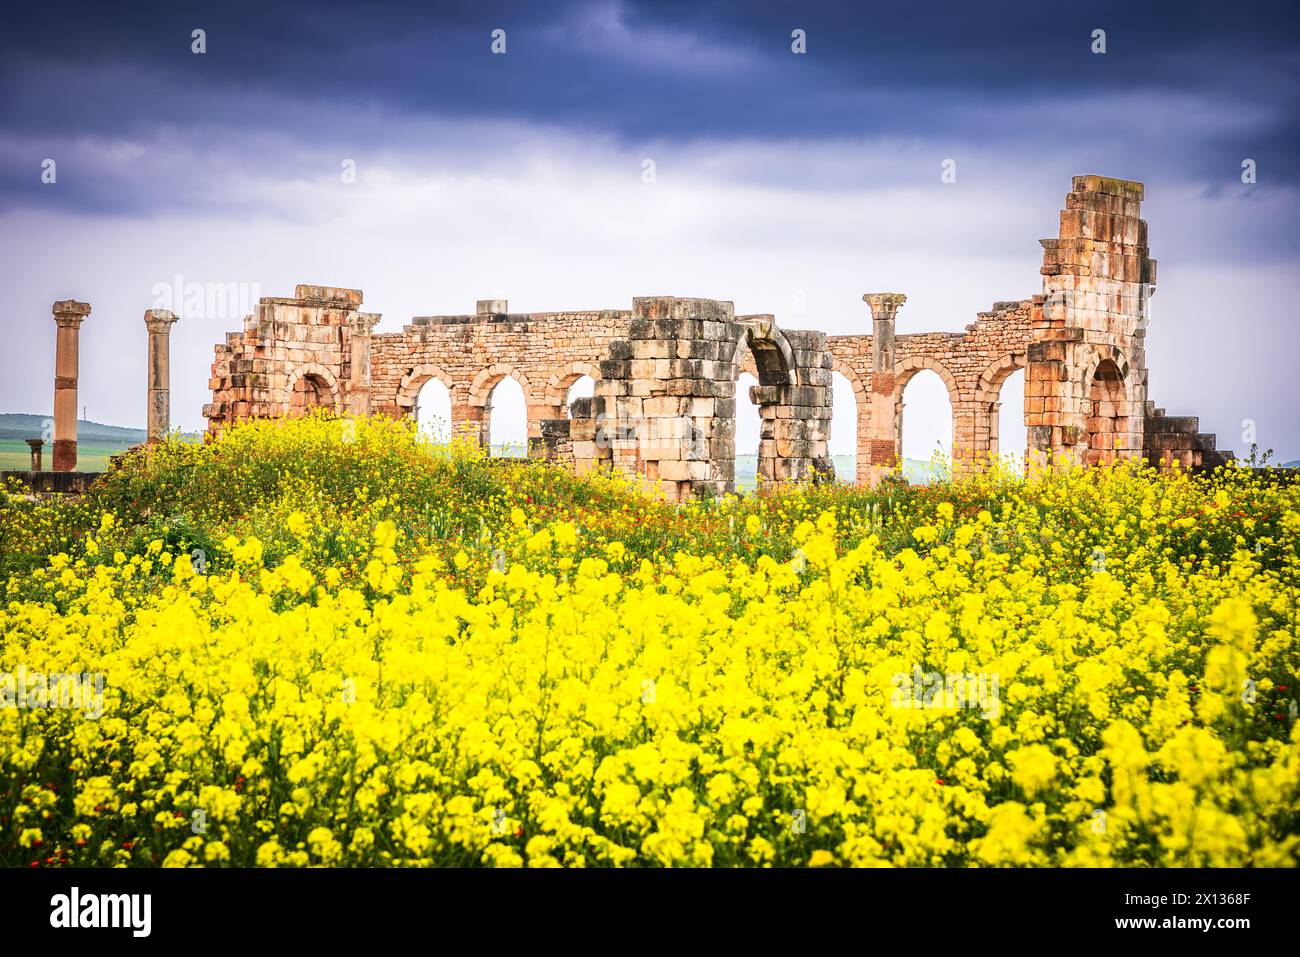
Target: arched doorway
{"type": "Point", "coordinates": [997, 431]}
{"type": "Point", "coordinates": [844, 427]}
{"type": "Point", "coordinates": [583, 387]}
{"type": "Point", "coordinates": [309, 391]}
{"type": "Point", "coordinates": [508, 419]}
{"type": "Point", "coordinates": [433, 411]}
{"type": "Point", "coordinates": [1107, 413]}
{"type": "Point", "coordinates": [1010, 438]}
{"type": "Point", "coordinates": [925, 433]}
{"type": "Point", "coordinates": [749, 426]}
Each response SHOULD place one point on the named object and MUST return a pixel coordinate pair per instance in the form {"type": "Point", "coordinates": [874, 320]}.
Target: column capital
{"type": "Point", "coordinates": [884, 305]}
{"type": "Point", "coordinates": [159, 320]}
{"type": "Point", "coordinates": [363, 322]}
{"type": "Point", "coordinates": [69, 312]}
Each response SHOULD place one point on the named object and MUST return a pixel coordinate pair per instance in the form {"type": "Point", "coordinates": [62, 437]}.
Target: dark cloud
{"type": "Point", "coordinates": [643, 69]}
{"type": "Point", "coordinates": [1184, 93]}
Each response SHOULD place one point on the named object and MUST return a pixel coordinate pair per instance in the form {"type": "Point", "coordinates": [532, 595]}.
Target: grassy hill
{"type": "Point", "coordinates": [96, 442]}
{"type": "Point", "coordinates": [24, 425]}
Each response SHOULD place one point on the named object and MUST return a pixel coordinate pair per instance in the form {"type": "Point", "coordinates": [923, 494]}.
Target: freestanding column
{"type": "Point", "coordinates": [159, 323]}
{"type": "Point", "coordinates": [882, 428]}
{"type": "Point", "coordinates": [36, 445]}
{"type": "Point", "coordinates": [68, 315]}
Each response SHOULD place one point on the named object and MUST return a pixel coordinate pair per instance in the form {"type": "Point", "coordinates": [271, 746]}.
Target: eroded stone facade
{"type": "Point", "coordinates": [295, 354]}
{"type": "Point", "coordinates": [665, 402]}
{"type": "Point", "coordinates": [666, 370]}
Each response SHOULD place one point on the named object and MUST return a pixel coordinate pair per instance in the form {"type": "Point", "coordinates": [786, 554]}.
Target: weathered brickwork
{"type": "Point", "coordinates": [665, 371]}
{"type": "Point", "coordinates": [665, 402]}
{"type": "Point", "coordinates": [293, 355]}
{"type": "Point", "coordinates": [545, 352]}
{"type": "Point", "coordinates": [1086, 390]}
{"type": "Point", "coordinates": [973, 366]}
{"type": "Point", "coordinates": [1086, 386]}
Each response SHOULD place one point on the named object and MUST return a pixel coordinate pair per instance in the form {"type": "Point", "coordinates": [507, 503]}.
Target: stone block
{"type": "Point", "coordinates": [350, 298]}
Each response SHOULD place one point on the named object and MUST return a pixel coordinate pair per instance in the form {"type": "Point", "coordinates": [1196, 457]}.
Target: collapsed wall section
{"type": "Point", "coordinates": [294, 355]}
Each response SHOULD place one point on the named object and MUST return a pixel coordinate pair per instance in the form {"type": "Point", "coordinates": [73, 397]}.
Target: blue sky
{"type": "Point", "coordinates": [780, 179]}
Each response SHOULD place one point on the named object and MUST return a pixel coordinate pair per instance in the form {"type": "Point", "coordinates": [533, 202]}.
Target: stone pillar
{"type": "Point", "coordinates": [882, 417]}
{"type": "Point", "coordinates": [159, 323]}
{"type": "Point", "coordinates": [36, 445]}
{"type": "Point", "coordinates": [68, 315]}
{"type": "Point", "coordinates": [995, 428]}
{"type": "Point", "coordinates": [358, 388]}
{"type": "Point", "coordinates": [469, 421]}
{"type": "Point", "coordinates": [665, 402]}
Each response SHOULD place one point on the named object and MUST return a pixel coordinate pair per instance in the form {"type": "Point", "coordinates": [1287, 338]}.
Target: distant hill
{"type": "Point", "coordinates": [23, 425]}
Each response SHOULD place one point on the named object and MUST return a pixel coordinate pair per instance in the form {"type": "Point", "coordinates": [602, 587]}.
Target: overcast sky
{"type": "Point", "coordinates": [780, 180]}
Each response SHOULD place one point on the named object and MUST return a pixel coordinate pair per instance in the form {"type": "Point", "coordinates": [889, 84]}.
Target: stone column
{"type": "Point", "coordinates": [360, 326]}
{"type": "Point", "coordinates": [882, 418]}
{"type": "Point", "coordinates": [159, 323]}
{"type": "Point", "coordinates": [68, 315]}
{"type": "Point", "coordinates": [36, 445]}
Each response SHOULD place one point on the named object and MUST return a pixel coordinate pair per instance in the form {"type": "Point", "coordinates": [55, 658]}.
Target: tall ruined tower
{"type": "Point", "coordinates": [1086, 386]}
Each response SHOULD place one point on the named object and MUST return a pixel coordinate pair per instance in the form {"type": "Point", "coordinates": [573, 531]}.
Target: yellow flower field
{"type": "Point", "coordinates": [330, 643]}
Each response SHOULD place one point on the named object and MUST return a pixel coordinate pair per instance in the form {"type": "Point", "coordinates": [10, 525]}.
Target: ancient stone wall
{"type": "Point", "coordinates": [294, 355]}
{"type": "Point", "coordinates": [666, 370]}
{"type": "Point", "coordinates": [1086, 391]}
{"type": "Point", "coordinates": [1087, 381]}
{"type": "Point", "coordinates": [665, 402]}
{"type": "Point", "coordinates": [972, 364]}
{"type": "Point", "coordinates": [545, 352]}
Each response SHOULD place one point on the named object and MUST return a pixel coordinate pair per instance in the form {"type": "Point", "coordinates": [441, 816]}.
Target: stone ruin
{"type": "Point", "coordinates": [665, 402]}
{"type": "Point", "coordinates": [665, 371]}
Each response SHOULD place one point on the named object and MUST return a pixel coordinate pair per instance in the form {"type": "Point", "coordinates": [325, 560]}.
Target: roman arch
{"type": "Point", "coordinates": [665, 370]}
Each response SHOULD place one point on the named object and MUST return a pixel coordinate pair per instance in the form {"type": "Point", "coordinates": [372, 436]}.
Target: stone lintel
{"type": "Point", "coordinates": [1092, 183]}
{"type": "Point", "coordinates": [332, 294]}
